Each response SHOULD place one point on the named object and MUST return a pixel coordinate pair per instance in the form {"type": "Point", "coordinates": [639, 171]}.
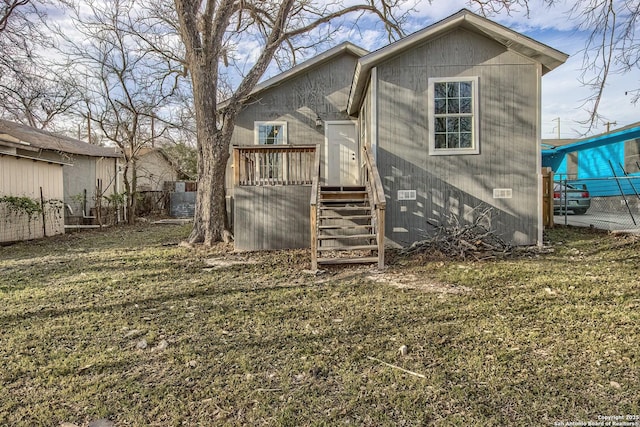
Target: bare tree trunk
{"type": "Point", "coordinates": [133, 192]}
{"type": "Point", "coordinates": [130, 190]}
{"type": "Point", "coordinates": [210, 221]}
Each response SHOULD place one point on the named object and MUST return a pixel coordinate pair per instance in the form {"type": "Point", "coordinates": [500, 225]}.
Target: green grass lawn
{"type": "Point", "coordinates": [536, 341]}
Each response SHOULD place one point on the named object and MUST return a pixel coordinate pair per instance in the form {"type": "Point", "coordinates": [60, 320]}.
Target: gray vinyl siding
{"type": "Point", "coordinates": [455, 185]}
{"type": "Point", "coordinates": [321, 91]}
{"type": "Point", "coordinates": [272, 217]}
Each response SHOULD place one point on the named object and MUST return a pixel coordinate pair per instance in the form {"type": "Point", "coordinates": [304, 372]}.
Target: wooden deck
{"type": "Point", "coordinates": [279, 203]}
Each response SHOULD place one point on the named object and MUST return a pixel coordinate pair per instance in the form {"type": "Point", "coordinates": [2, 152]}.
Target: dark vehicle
{"type": "Point", "coordinates": [578, 199]}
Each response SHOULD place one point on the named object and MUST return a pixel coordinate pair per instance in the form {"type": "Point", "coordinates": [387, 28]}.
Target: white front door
{"type": "Point", "coordinates": [341, 154]}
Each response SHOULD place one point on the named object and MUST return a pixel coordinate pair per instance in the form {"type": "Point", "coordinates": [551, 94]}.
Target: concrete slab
{"type": "Point", "coordinates": [621, 222]}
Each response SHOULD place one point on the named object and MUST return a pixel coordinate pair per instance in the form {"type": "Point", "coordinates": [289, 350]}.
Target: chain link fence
{"type": "Point", "coordinates": [613, 203]}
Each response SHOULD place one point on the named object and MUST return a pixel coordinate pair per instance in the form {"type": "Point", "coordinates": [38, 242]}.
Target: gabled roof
{"type": "Point", "coordinates": [306, 66]}
{"type": "Point", "coordinates": [547, 56]}
{"type": "Point", "coordinates": [32, 139]}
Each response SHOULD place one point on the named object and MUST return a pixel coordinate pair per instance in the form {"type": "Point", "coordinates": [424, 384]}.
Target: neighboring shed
{"type": "Point", "coordinates": [596, 160]}
{"type": "Point", "coordinates": [25, 177]}
{"type": "Point", "coordinates": [86, 166]}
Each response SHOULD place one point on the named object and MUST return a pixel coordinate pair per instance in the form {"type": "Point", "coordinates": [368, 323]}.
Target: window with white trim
{"type": "Point", "coordinates": [270, 166]}
{"type": "Point", "coordinates": [453, 115]}
{"type": "Point", "coordinates": [270, 133]}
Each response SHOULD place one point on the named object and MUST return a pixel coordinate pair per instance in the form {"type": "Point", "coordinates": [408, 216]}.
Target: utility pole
{"type": "Point", "coordinates": [557, 119]}
{"type": "Point", "coordinates": [608, 125]}
{"type": "Point", "coordinates": [89, 126]}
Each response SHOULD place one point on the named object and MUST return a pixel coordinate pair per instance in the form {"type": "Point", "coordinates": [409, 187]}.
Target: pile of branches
{"type": "Point", "coordinates": [474, 240]}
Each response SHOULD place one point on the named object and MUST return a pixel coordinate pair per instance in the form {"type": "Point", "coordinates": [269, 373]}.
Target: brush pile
{"type": "Point", "coordinates": [474, 240]}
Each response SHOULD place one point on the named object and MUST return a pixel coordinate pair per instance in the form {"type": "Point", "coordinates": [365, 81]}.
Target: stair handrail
{"type": "Point", "coordinates": [313, 211]}
{"type": "Point", "coordinates": [373, 178]}
{"type": "Point", "coordinates": [379, 203]}
{"type": "Point", "coordinates": [315, 181]}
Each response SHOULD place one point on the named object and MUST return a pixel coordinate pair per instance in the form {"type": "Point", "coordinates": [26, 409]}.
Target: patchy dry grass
{"type": "Point", "coordinates": [252, 340]}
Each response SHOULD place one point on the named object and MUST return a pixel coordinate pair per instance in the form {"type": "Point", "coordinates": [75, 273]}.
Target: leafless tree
{"type": "Point", "coordinates": [31, 92]}
{"type": "Point", "coordinates": [126, 89]}
{"type": "Point", "coordinates": [34, 98]}
{"type": "Point", "coordinates": [9, 8]}
{"type": "Point", "coordinates": [612, 47]}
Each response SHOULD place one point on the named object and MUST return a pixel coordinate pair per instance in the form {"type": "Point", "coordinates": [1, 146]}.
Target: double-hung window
{"type": "Point", "coordinates": [453, 115]}
{"type": "Point", "coordinates": [270, 165]}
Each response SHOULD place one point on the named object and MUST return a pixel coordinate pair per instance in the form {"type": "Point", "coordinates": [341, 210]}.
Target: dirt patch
{"type": "Point", "coordinates": [218, 263]}
{"type": "Point", "coordinates": [411, 281]}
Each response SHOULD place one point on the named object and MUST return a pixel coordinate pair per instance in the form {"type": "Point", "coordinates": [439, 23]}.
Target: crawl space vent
{"type": "Point", "coordinates": [406, 194]}
{"type": "Point", "coordinates": [502, 193]}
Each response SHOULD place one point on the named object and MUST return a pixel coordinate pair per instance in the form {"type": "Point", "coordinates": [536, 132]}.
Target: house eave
{"type": "Point", "coordinates": [35, 159]}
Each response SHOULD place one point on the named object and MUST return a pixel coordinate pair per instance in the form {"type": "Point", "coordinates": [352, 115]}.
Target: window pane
{"type": "Point", "coordinates": [452, 90]}
{"type": "Point", "coordinates": [453, 141]}
{"type": "Point", "coordinates": [465, 124]}
{"type": "Point", "coordinates": [270, 134]}
{"type": "Point", "coordinates": [465, 89]}
{"type": "Point", "coordinates": [453, 106]}
{"type": "Point", "coordinates": [441, 140]}
{"type": "Point", "coordinates": [441, 124]}
{"type": "Point", "coordinates": [440, 106]}
{"type": "Point", "coordinates": [465, 140]}
{"type": "Point", "coordinates": [465, 105]}
{"type": "Point", "coordinates": [453, 125]}
{"type": "Point", "coordinates": [440, 90]}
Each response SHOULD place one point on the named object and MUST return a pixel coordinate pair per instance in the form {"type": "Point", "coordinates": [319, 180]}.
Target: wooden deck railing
{"type": "Point", "coordinates": [274, 165]}
{"type": "Point", "coordinates": [378, 202]}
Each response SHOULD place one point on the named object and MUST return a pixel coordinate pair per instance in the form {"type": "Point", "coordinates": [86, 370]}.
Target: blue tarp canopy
{"type": "Point", "coordinates": [553, 157]}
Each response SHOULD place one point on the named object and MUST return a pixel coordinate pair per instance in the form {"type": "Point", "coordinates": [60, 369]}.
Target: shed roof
{"type": "Point", "coordinates": [626, 133]}
{"type": "Point", "coordinates": [553, 157]}
{"type": "Point", "coordinates": [548, 57]}
{"type": "Point", "coordinates": [306, 66]}
{"type": "Point", "coordinates": [32, 139]}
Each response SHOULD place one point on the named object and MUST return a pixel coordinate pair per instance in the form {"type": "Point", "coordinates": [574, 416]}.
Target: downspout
{"type": "Point", "coordinates": [539, 204]}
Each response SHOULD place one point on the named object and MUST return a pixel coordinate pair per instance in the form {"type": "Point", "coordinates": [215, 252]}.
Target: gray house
{"type": "Point", "coordinates": [425, 131]}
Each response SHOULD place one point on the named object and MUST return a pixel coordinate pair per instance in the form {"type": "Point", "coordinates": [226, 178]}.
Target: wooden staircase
{"type": "Point", "coordinates": [347, 223]}
{"type": "Point", "coordinates": [345, 226]}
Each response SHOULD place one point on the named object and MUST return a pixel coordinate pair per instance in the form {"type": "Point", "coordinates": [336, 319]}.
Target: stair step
{"type": "Point", "coordinates": [344, 227]}
{"type": "Point", "coordinates": [348, 248]}
{"type": "Point", "coordinates": [344, 208]}
{"type": "Point", "coordinates": [358, 260]}
{"type": "Point", "coordinates": [342, 189]}
{"type": "Point", "coordinates": [324, 200]}
{"type": "Point", "coordinates": [354, 236]}
{"type": "Point", "coordinates": [338, 193]}
{"type": "Point", "coordinates": [346, 217]}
